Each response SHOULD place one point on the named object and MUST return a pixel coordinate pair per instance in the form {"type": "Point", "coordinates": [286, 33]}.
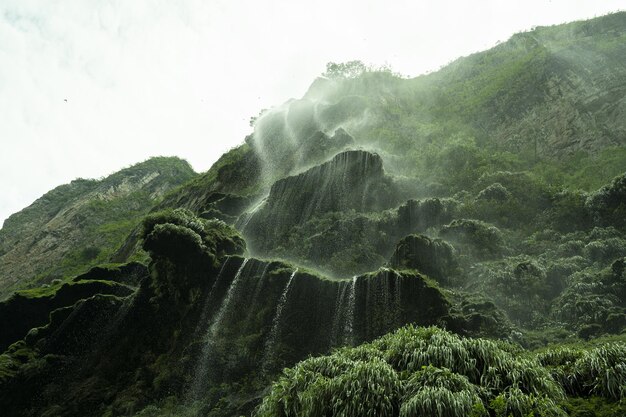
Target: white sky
{"type": "Point", "coordinates": [146, 78]}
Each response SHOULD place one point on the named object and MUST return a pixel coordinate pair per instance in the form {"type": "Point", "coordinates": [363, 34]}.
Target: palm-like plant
{"type": "Point", "coordinates": [416, 372]}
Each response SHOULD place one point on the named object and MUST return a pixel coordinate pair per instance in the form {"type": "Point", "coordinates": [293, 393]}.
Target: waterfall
{"type": "Point", "coordinates": [348, 330]}
{"type": "Point", "coordinates": [208, 301]}
{"type": "Point", "coordinates": [383, 303]}
{"type": "Point", "coordinates": [200, 375]}
{"type": "Point", "coordinates": [397, 301]}
{"type": "Point", "coordinates": [274, 333]}
{"type": "Point", "coordinates": [257, 292]}
{"type": "Point", "coordinates": [219, 317]}
{"type": "Point", "coordinates": [339, 316]}
{"type": "Point", "coordinates": [242, 222]}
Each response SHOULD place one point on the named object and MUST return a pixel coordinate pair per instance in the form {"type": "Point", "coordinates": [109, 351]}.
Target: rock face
{"type": "Point", "coordinates": [351, 181]}
{"type": "Point", "coordinates": [433, 257]}
{"type": "Point", "coordinates": [29, 309]}
{"type": "Point", "coordinates": [74, 226]}
{"type": "Point", "coordinates": [208, 323]}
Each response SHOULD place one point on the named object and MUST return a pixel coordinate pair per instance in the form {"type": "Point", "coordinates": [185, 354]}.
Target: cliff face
{"type": "Point", "coordinates": [352, 180]}
{"type": "Point", "coordinates": [212, 318]}
{"type": "Point", "coordinates": [435, 209]}
{"type": "Point", "coordinates": [78, 225]}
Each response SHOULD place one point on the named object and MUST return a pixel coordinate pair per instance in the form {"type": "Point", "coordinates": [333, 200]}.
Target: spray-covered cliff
{"type": "Point", "coordinates": [452, 244]}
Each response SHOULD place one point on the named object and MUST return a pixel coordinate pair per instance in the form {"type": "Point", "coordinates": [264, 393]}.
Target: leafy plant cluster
{"type": "Point", "coordinates": [417, 372]}
{"type": "Point", "coordinates": [584, 372]}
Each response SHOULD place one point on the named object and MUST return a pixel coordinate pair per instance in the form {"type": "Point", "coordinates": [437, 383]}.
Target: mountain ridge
{"type": "Point", "coordinates": [79, 217]}
{"type": "Point", "coordinates": [468, 200]}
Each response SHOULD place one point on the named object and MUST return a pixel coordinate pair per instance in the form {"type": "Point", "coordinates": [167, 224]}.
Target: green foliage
{"type": "Point", "coordinates": [179, 233]}
{"type": "Point", "coordinates": [505, 132]}
{"type": "Point", "coordinates": [515, 403]}
{"type": "Point", "coordinates": [476, 237]}
{"type": "Point", "coordinates": [594, 407]}
{"type": "Point", "coordinates": [568, 212]}
{"type": "Point", "coordinates": [598, 371]}
{"type": "Point", "coordinates": [350, 69]}
{"type": "Point", "coordinates": [237, 171]}
{"type": "Point", "coordinates": [494, 192]}
{"type": "Point", "coordinates": [608, 204]}
{"type": "Point", "coordinates": [582, 170]}
{"type": "Point", "coordinates": [416, 372]}
{"type": "Point", "coordinates": [439, 401]}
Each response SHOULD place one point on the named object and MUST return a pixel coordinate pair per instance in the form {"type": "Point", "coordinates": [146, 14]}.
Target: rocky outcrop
{"type": "Point", "coordinates": [29, 309]}
{"type": "Point", "coordinates": [351, 181]}
{"type": "Point", "coordinates": [208, 323]}
{"type": "Point", "coordinates": [433, 257]}
{"type": "Point", "coordinates": [77, 225]}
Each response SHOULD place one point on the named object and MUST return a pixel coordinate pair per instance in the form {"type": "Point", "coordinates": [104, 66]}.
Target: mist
{"type": "Point", "coordinates": [87, 90]}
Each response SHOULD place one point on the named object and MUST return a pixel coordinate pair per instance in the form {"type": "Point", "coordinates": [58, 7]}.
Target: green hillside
{"type": "Point", "coordinates": [81, 224]}
{"type": "Point", "coordinates": [449, 245]}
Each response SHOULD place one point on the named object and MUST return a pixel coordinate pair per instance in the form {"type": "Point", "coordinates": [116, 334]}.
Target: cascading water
{"type": "Point", "coordinates": [201, 372]}
{"type": "Point", "coordinates": [270, 346]}
{"type": "Point", "coordinates": [339, 315]}
{"type": "Point", "coordinates": [209, 300]}
{"type": "Point", "coordinates": [343, 317]}
{"type": "Point", "coordinates": [383, 310]}
{"type": "Point", "coordinates": [257, 291]}
{"type": "Point", "coordinates": [219, 317]}
{"type": "Point", "coordinates": [397, 300]}
{"type": "Point", "coordinates": [243, 220]}
{"type": "Point", "coordinates": [348, 330]}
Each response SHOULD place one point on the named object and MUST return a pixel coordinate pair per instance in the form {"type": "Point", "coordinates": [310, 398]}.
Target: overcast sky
{"type": "Point", "coordinates": [146, 78]}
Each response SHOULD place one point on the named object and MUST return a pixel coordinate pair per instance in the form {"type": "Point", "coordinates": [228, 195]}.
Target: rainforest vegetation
{"type": "Point", "coordinates": [447, 245]}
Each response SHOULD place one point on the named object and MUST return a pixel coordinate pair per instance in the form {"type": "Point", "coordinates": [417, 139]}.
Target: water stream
{"type": "Point", "coordinates": [348, 330]}
{"type": "Point", "coordinates": [270, 346]}
{"type": "Point", "coordinates": [201, 372]}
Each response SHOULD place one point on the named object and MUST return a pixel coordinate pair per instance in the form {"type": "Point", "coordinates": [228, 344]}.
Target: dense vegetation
{"type": "Point", "coordinates": [430, 372]}
{"type": "Point", "coordinates": [82, 224]}
{"type": "Point", "coordinates": [448, 245]}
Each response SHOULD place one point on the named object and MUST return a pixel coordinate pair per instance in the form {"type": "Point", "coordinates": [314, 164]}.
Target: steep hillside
{"type": "Point", "coordinates": [547, 94]}
{"type": "Point", "coordinates": [451, 245]}
{"type": "Point", "coordinates": [78, 225]}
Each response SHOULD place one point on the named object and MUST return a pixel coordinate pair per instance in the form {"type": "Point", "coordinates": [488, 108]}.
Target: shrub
{"type": "Point", "coordinates": [415, 372]}
{"type": "Point", "coordinates": [605, 250]}
{"type": "Point", "coordinates": [178, 233]}
{"type": "Point", "coordinates": [515, 403]}
{"type": "Point", "coordinates": [494, 192]}
{"type": "Point", "coordinates": [608, 204]}
{"type": "Point", "coordinates": [478, 237]}
{"type": "Point", "coordinates": [582, 372]}
{"type": "Point", "coordinates": [442, 402]}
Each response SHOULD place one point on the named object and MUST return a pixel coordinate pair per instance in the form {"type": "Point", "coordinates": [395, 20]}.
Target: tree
{"type": "Point", "coordinates": [350, 69]}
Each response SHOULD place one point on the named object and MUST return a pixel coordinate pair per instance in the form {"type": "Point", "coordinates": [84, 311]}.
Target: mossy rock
{"type": "Point", "coordinates": [352, 180]}
{"type": "Point", "coordinates": [28, 309]}
{"type": "Point", "coordinates": [178, 234]}
{"type": "Point", "coordinates": [130, 274]}
{"type": "Point", "coordinates": [475, 238]}
{"type": "Point", "coordinates": [433, 257]}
